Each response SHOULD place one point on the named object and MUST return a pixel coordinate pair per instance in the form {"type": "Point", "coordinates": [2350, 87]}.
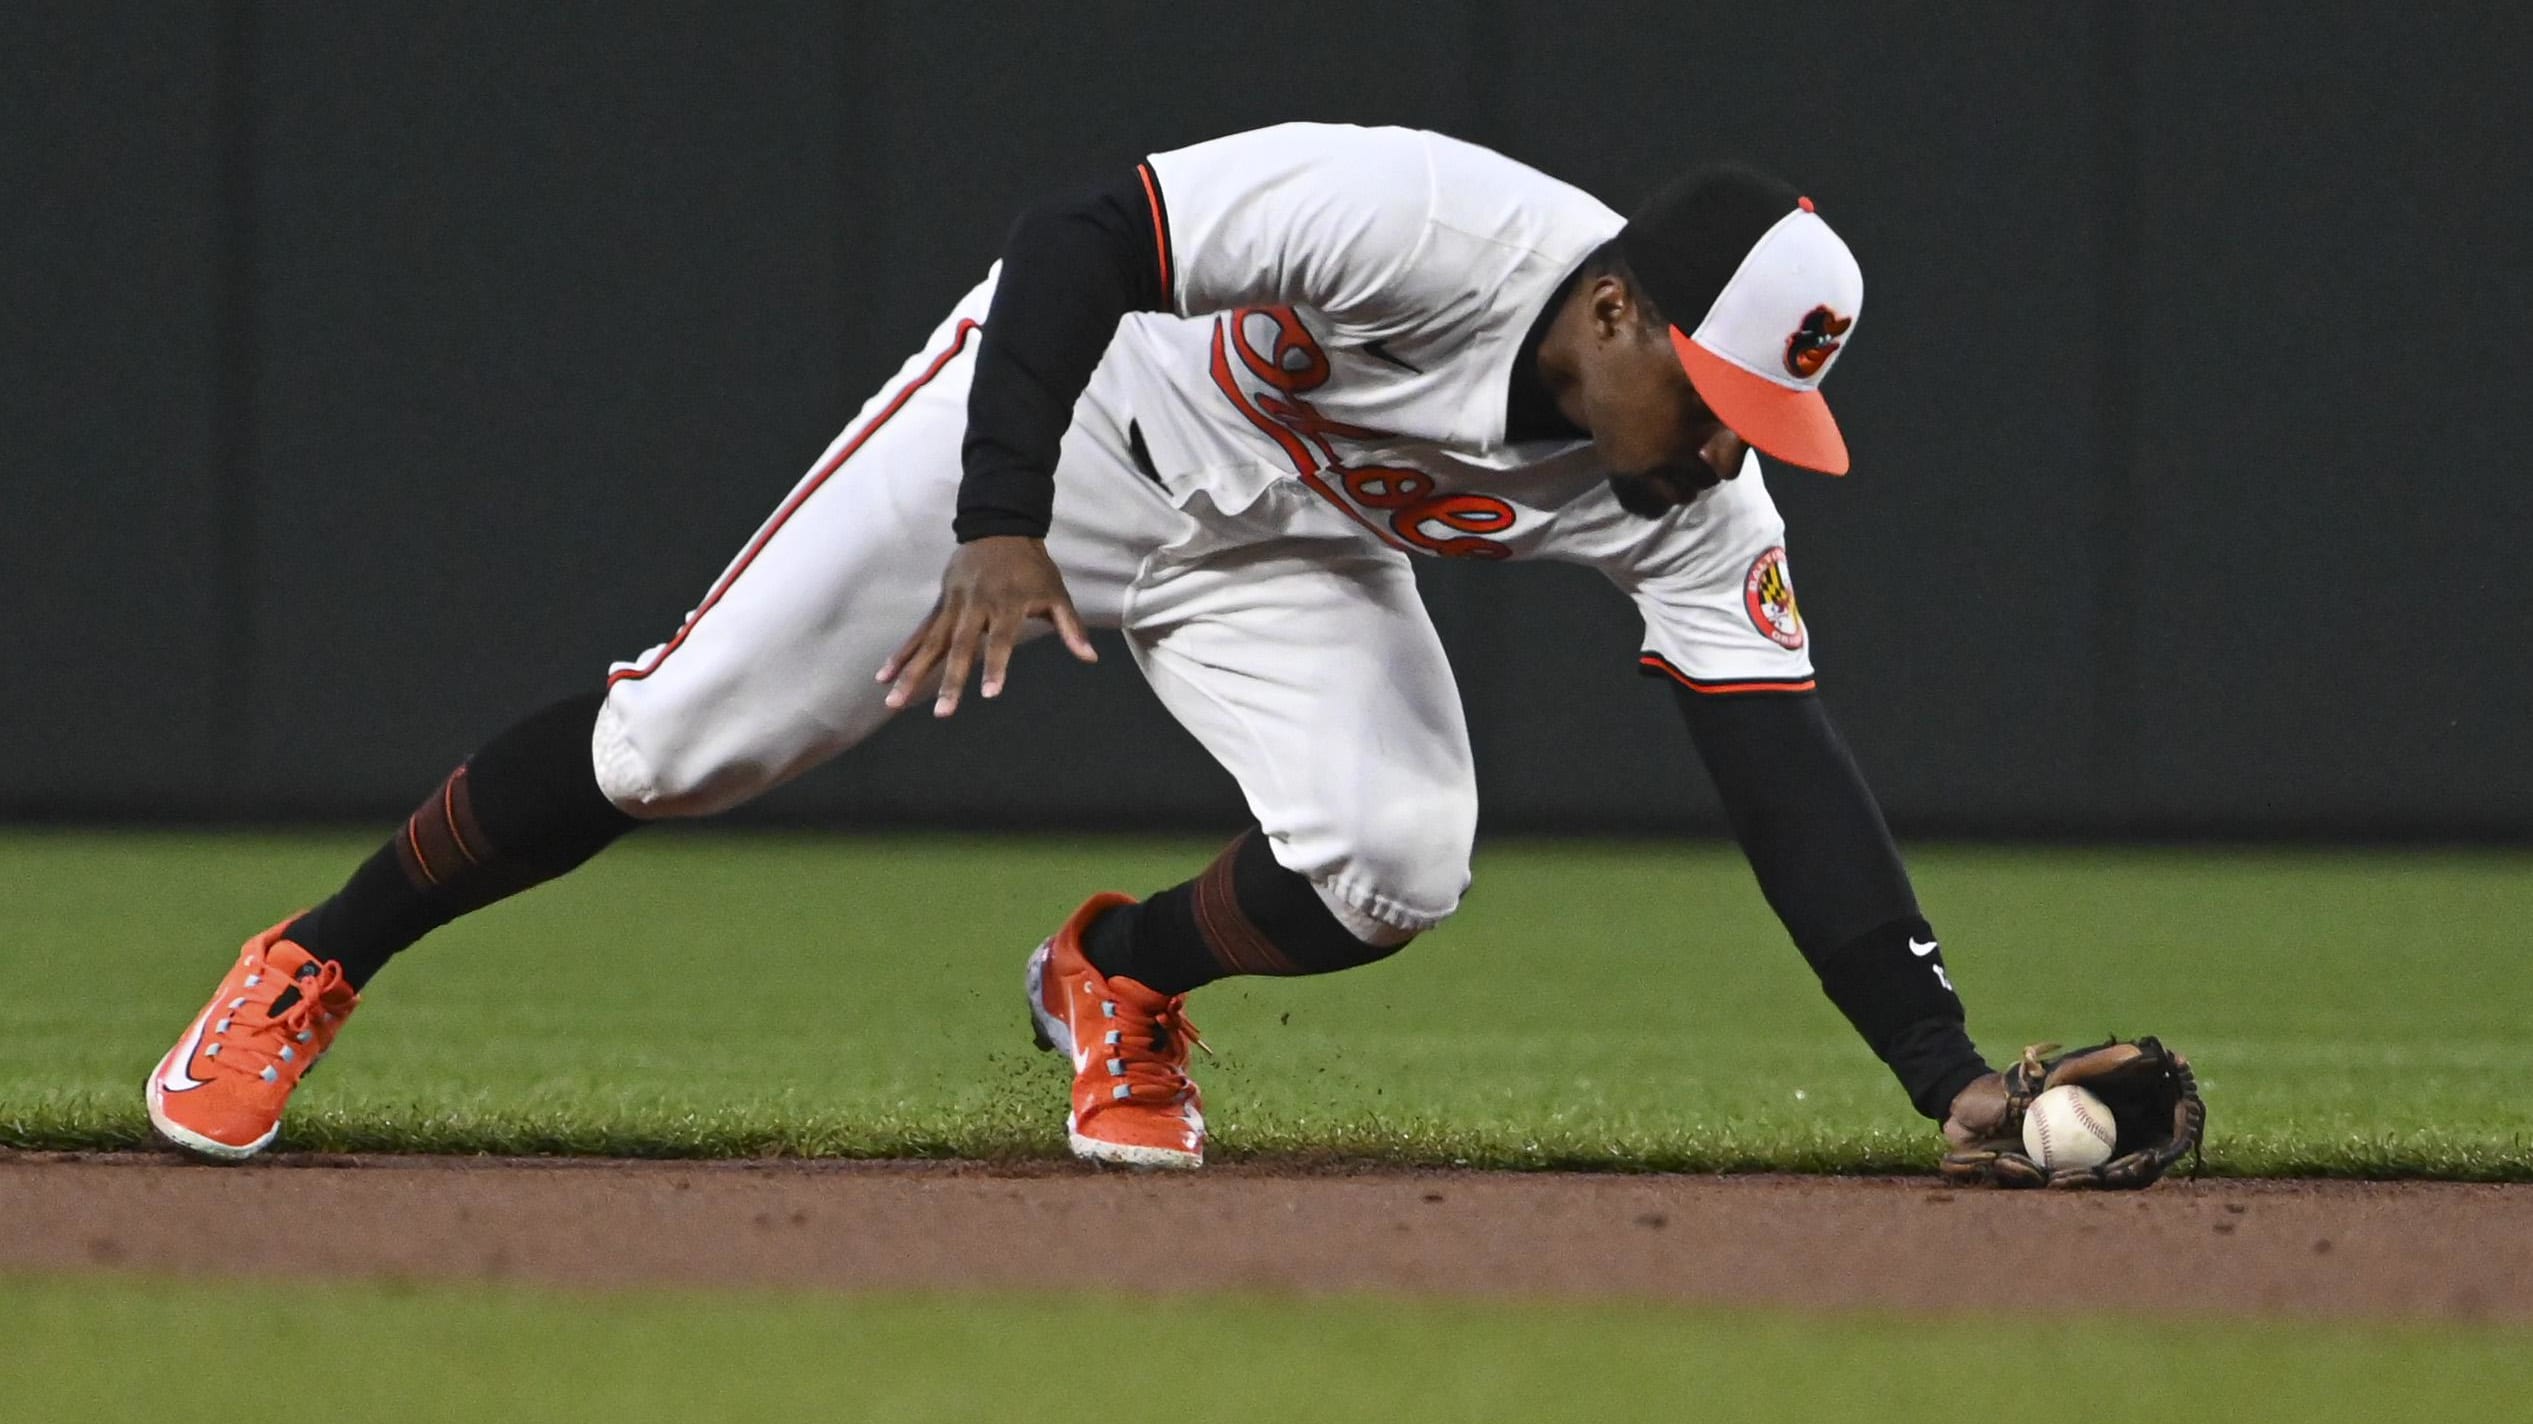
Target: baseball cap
{"type": "Point", "coordinates": [1762, 297]}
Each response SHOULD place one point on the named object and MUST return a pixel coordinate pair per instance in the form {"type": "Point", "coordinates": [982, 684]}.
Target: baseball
{"type": "Point", "coordinates": [2069, 1128]}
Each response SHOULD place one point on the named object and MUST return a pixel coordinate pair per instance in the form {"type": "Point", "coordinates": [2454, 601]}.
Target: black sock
{"type": "Point", "coordinates": [1153, 942]}
{"type": "Point", "coordinates": [1244, 914]}
{"type": "Point", "coordinates": [521, 811]}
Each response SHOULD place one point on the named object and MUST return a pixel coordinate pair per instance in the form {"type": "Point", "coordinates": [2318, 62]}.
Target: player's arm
{"type": "Point", "coordinates": [1071, 270]}
{"type": "Point", "coordinates": [1722, 631]}
{"type": "Point", "coordinates": [1308, 214]}
{"type": "Point", "coordinates": [1313, 215]}
{"type": "Point", "coordinates": [1816, 839]}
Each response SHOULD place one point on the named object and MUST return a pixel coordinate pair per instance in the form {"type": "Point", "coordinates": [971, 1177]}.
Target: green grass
{"type": "Point", "coordinates": [106, 1348]}
{"type": "Point", "coordinates": [1596, 1006]}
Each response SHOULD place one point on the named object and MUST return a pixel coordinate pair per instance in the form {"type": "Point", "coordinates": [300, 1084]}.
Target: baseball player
{"type": "Point", "coordinates": [1217, 405]}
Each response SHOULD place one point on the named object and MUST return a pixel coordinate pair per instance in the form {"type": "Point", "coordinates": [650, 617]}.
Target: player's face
{"type": "Point", "coordinates": [1660, 443]}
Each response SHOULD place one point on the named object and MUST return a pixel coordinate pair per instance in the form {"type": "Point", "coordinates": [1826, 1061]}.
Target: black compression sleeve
{"type": "Point", "coordinates": [1824, 858]}
{"type": "Point", "coordinates": [1071, 270]}
{"type": "Point", "coordinates": [1803, 814]}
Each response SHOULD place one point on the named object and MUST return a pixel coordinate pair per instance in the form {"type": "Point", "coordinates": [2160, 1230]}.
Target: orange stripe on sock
{"type": "Point", "coordinates": [413, 843]}
{"type": "Point", "coordinates": [1238, 945]}
{"type": "Point", "coordinates": [448, 810]}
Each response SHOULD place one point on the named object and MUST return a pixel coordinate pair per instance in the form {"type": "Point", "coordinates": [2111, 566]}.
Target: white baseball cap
{"type": "Point", "coordinates": [1774, 295]}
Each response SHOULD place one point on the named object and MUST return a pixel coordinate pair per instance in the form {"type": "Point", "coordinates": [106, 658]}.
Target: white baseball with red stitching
{"type": "Point", "coordinates": [2069, 1129]}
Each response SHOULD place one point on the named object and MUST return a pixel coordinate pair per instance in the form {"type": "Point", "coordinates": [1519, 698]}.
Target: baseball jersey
{"type": "Point", "coordinates": [1347, 308]}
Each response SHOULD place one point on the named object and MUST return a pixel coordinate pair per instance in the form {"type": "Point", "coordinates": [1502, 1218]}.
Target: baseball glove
{"type": "Point", "coordinates": [2148, 1088]}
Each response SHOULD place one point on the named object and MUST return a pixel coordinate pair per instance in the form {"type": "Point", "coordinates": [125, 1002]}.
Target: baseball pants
{"type": "Point", "coordinates": [1302, 660]}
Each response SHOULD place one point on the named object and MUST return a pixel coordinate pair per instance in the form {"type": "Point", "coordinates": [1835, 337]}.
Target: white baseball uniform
{"type": "Point", "coordinates": [1238, 494]}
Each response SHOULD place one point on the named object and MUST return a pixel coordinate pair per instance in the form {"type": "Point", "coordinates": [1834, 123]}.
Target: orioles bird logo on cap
{"type": "Point", "coordinates": [1813, 342]}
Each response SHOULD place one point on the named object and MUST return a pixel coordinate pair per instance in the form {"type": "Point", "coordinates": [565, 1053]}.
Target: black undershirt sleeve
{"type": "Point", "coordinates": [1824, 858]}
{"type": "Point", "coordinates": [1071, 270]}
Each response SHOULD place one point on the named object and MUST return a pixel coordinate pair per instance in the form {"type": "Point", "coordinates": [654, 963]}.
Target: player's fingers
{"type": "Point", "coordinates": [1068, 625]}
{"type": "Point", "coordinates": [916, 660]}
{"type": "Point", "coordinates": [911, 676]}
{"type": "Point", "coordinates": [999, 639]}
{"type": "Point", "coordinates": [956, 662]}
{"type": "Point", "coordinates": [905, 650]}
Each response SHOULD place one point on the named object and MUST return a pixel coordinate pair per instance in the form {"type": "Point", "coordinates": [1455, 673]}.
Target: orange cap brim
{"type": "Point", "coordinates": [1786, 422]}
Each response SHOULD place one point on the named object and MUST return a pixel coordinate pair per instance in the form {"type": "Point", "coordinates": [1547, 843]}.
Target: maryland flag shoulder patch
{"type": "Point", "coordinates": [1767, 591]}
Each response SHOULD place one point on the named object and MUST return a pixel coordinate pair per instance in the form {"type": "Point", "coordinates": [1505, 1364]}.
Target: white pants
{"type": "Point", "coordinates": [1306, 665]}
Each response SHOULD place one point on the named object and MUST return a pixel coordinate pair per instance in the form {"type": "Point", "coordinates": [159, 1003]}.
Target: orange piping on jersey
{"type": "Point", "coordinates": [1294, 449]}
{"type": "Point", "coordinates": [1712, 689]}
{"type": "Point", "coordinates": [1656, 662]}
{"type": "Point", "coordinates": [1160, 233]}
{"type": "Point", "coordinates": [801, 496]}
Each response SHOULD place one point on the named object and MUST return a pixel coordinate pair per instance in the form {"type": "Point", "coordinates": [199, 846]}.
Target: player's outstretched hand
{"type": "Point", "coordinates": [992, 588]}
{"type": "Point", "coordinates": [1977, 1111]}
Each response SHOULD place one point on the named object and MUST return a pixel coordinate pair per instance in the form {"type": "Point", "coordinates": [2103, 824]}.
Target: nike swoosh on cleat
{"type": "Point", "coordinates": [1921, 950]}
{"type": "Point", "coordinates": [172, 1076]}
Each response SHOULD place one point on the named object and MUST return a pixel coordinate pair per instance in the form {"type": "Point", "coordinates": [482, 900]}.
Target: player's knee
{"type": "Point", "coordinates": [1409, 863]}
{"type": "Point", "coordinates": [657, 767]}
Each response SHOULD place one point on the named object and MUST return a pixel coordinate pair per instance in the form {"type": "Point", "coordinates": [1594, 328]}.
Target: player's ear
{"type": "Point", "coordinates": [1612, 306]}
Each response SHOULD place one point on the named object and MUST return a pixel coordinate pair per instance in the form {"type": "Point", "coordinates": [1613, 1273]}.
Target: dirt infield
{"type": "Point", "coordinates": [2380, 1250]}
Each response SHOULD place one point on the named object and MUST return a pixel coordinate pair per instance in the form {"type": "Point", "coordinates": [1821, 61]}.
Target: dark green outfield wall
{"type": "Point", "coordinates": [374, 371]}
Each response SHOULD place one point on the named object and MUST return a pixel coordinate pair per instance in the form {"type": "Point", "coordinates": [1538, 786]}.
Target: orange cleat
{"type": "Point", "coordinates": [219, 1092]}
{"type": "Point", "coordinates": [1132, 1101]}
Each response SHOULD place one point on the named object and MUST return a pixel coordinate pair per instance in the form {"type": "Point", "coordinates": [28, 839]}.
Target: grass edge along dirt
{"type": "Point", "coordinates": [1336, 1147]}
{"type": "Point", "coordinates": [2352, 1015]}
